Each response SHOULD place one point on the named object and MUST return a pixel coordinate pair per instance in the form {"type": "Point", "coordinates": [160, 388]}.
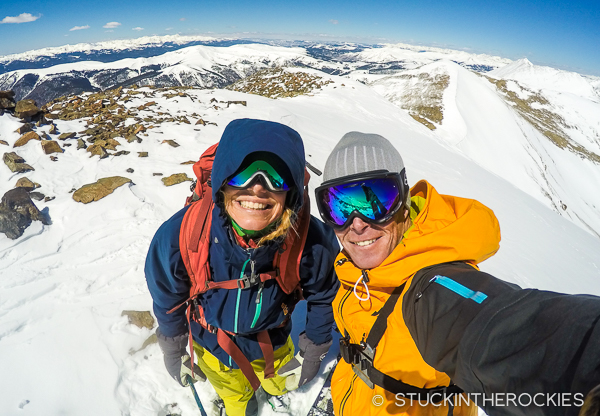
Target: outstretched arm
{"type": "Point", "coordinates": [492, 337]}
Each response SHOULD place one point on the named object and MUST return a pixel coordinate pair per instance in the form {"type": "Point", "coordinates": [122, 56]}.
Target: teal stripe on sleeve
{"type": "Point", "coordinates": [459, 289]}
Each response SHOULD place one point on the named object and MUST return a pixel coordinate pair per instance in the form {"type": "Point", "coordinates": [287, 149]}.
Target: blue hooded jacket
{"type": "Point", "coordinates": [245, 311]}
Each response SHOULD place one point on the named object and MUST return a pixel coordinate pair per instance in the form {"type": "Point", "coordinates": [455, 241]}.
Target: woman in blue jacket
{"type": "Point", "coordinates": [241, 325]}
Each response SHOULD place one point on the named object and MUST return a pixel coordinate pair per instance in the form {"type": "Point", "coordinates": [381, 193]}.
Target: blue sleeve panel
{"type": "Point", "coordinates": [167, 278]}
{"type": "Point", "coordinates": [318, 280]}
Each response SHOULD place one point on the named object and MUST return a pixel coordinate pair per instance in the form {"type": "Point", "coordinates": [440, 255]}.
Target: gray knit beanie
{"type": "Point", "coordinates": [358, 153]}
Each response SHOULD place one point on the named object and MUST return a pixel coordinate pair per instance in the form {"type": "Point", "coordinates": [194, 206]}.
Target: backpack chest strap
{"type": "Point", "coordinates": [242, 283]}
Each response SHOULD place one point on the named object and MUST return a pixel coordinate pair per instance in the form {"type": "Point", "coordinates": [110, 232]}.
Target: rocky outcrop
{"type": "Point", "coordinates": [141, 319]}
{"type": "Point", "coordinates": [17, 211]}
{"type": "Point", "coordinates": [7, 101]}
{"type": "Point", "coordinates": [175, 179]}
{"type": "Point", "coordinates": [16, 163]}
{"type": "Point", "coordinates": [24, 139]}
{"type": "Point", "coordinates": [26, 108]}
{"type": "Point", "coordinates": [27, 184]}
{"type": "Point", "coordinates": [98, 190]}
{"type": "Point", "coordinates": [51, 146]}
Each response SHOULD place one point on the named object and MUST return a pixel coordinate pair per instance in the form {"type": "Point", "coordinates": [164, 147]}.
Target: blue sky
{"type": "Point", "coordinates": [561, 34]}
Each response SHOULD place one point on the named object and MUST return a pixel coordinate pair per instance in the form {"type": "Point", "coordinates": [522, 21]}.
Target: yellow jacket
{"type": "Point", "coordinates": [445, 229]}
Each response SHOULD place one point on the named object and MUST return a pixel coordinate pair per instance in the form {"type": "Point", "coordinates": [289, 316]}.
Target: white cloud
{"type": "Point", "coordinates": [79, 28]}
{"type": "Point", "coordinates": [111, 25]}
{"type": "Point", "coordinates": [183, 19]}
{"type": "Point", "coordinates": [138, 28]}
{"type": "Point", "coordinates": [169, 28]}
{"type": "Point", "coordinates": [333, 22]}
{"type": "Point", "coordinates": [22, 18]}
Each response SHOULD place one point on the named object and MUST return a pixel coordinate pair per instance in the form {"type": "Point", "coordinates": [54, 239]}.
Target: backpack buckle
{"type": "Point", "coordinates": [248, 281]}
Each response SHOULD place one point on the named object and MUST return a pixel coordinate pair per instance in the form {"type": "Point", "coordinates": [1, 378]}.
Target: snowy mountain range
{"type": "Point", "coordinates": [522, 139]}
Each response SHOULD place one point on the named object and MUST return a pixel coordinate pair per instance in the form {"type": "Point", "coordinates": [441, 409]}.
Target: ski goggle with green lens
{"type": "Point", "coordinates": [374, 197]}
{"type": "Point", "coordinates": [259, 170]}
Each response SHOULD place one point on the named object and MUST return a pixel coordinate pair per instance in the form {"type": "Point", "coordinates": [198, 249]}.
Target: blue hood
{"type": "Point", "coordinates": [244, 136]}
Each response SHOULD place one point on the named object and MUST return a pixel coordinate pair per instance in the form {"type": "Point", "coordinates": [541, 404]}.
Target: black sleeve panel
{"type": "Point", "coordinates": [521, 341]}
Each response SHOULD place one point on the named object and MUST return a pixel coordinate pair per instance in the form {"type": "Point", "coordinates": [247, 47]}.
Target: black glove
{"type": "Point", "coordinates": [177, 360]}
{"type": "Point", "coordinates": [305, 365]}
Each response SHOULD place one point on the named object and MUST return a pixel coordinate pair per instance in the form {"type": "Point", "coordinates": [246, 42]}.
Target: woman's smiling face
{"type": "Point", "coordinates": [255, 207]}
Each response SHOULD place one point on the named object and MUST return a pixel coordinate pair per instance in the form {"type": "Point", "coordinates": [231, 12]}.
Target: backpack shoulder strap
{"type": "Point", "coordinates": [194, 242]}
{"type": "Point", "coordinates": [288, 261]}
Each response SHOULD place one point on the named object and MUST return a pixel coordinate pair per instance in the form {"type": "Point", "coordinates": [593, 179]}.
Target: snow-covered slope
{"type": "Point", "coordinates": [545, 141]}
{"type": "Point", "coordinates": [63, 286]}
{"type": "Point", "coordinates": [546, 78]}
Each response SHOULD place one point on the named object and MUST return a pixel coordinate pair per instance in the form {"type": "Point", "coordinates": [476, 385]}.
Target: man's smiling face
{"type": "Point", "coordinates": [368, 245]}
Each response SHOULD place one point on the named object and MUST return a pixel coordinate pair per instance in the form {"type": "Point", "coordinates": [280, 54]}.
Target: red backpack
{"type": "Point", "coordinates": [194, 246]}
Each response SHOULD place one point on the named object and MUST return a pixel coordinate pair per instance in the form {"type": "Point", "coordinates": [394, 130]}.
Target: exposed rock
{"type": "Point", "coordinates": [26, 108]}
{"type": "Point", "coordinates": [54, 158]}
{"type": "Point", "coordinates": [38, 196]}
{"type": "Point", "coordinates": [7, 101]}
{"type": "Point", "coordinates": [172, 143]}
{"type": "Point", "coordinates": [81, 144]}
{"type": "Point", "coordinates": [98, 190]}
{"type": "Point", "coordinates": [16, 163]}
{"type": "Point", "coordinates": [201, 122]}
{"type": "Point", "coordinates": [175, 179]}
{"type": "Point", "coordinates": [121, 153]}
{"type": "Point", "coordinates": [152, 339]}
{"type": "Point", "coordinates": [142, 154]}
{"type": "Point", "coordinates": [98, 150]}
{"type": "Point", "coordinates": [66, 136]}
{"type": "Point", "coordinates": [27, 184]}
{"type": "Point", "coordinates": [24, 128]}
{"type": "Point", "coordinates": [111, 144]}
{"type": "Point", "coordinates": [131, 138]}
{"type": "Point", "coordinates": [141, 319]}
{"type": "Point", "coordinates": [53, 129]}
{"type": "Point", "coordinates": [10, 94]}
{"type": "Point", "coordinates": [157, 174]}
{"type": "Point", "coordinates": [17, 211]}
{"type": "Point", "coordinates": [130, 170]}
{"type": "Point", "coordinates": [4, 142]}
{"type": "Point", "coordinates": [236, 102]}
{"type": "Point", "coordinates": [189, 162]}
{"type": "Point", "coordinates": [51, 146]}
{"type": "Point", "coordinates": [49, 198]}
{"type": "Point", "coordinates": [24, 139]}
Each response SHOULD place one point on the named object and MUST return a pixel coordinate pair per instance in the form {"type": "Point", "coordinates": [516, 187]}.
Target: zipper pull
{"type": "Point", "coordinates": [341, 261]}
{"type": "Point", "coordinates": [259, 294]}
{"type": "Point", "coordinates": [252, 274]}
{"type": "Point", "coordinates": [365, 276]}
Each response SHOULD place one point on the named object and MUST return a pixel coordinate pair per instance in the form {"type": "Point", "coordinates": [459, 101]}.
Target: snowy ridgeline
{"type": "Point", "coordinates": [64, 286]}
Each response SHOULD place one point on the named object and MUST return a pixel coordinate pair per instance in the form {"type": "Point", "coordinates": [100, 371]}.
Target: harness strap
{"type": "Point", "coordinates": [240, 359]}
{"type": "Point", "coordinates": [242, 283]}
{"type": "Point", "coordinates": [380, 324]}
{"type": "Point", "coordinates": [264, 340]}
{"type": "Point", "coordinates": [434, 394]}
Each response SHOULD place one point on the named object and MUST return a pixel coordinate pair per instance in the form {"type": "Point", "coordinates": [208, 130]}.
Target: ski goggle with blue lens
{"type": "Point", "coordinates": [374, 197]}
{"type": "Point", "coordinates": [259, 170]}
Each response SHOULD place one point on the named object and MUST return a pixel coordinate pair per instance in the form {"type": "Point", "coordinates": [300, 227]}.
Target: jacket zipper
{"type": "Point", "coordinates": [347, 395]}
{"type": "Point", "coordinates": [239, 294]}
{"type": "Point", "coordinates": [348, 293]}
{"type": "Point", "coordinates": [258, 300]}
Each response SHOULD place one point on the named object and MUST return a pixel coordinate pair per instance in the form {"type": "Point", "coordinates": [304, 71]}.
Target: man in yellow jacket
{"type": "Point", "coordinates": [417, 317]}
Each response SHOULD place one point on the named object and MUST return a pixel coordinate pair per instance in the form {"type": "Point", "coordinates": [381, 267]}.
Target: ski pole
{"type": "Point", "coordinates": [198, 402]}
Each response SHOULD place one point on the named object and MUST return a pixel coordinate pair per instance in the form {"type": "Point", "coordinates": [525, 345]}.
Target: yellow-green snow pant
{"type": "Point", "coordinates": [233, 387]}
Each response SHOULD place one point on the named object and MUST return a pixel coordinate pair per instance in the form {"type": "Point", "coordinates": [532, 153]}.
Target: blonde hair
{"type": "Point", "coordinates": [285, 223]}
